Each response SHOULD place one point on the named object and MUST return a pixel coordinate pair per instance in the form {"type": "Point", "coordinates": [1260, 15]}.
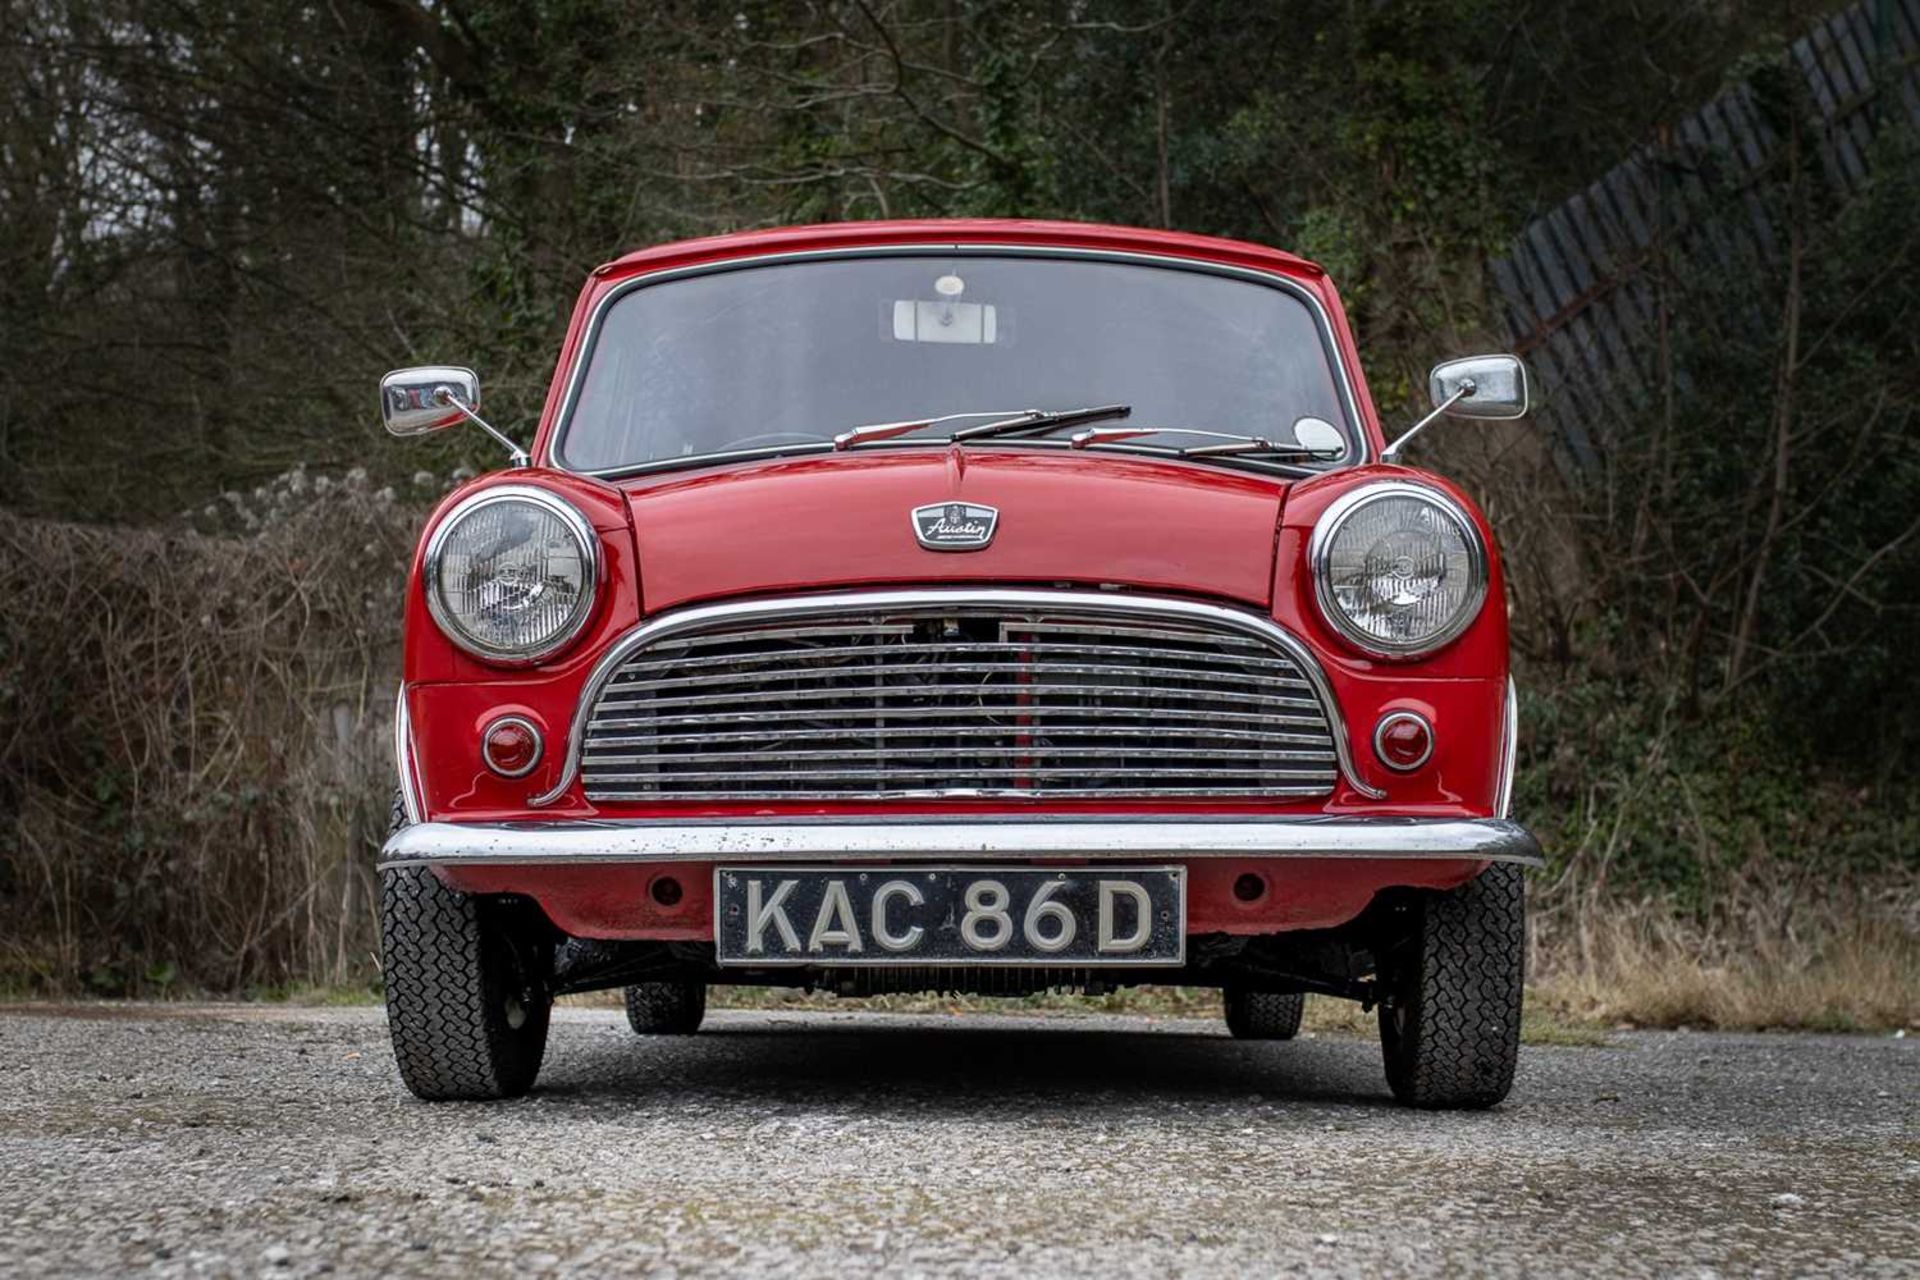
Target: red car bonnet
{"type": "Point", "coordinates": [845, 520]}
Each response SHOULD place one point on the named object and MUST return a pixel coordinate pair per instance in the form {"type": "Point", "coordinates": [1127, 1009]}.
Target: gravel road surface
{"type": "Point", "coordinates": [214, 1141]}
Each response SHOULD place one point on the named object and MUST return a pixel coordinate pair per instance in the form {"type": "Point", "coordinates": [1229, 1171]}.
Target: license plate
{"type": "Point", "coordinates": [950, 915]}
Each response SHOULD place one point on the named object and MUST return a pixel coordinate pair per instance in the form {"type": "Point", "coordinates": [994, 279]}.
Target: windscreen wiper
{"type": "Point", "coordinates": [1007, 422]}
{"type": "Point", "coordinates": [887, 430]}
{"type": "Point", "coordinates": [1040, 421]}
{"type": "Point", "coordinates": [1233, 442]}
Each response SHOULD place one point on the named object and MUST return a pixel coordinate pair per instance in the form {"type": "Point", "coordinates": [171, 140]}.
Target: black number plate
{"type": "Point", "coordinates": [950, 915]}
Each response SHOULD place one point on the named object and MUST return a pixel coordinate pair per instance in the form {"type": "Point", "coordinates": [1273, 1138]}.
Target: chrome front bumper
{"type": "Point", "coordinates": [932, 839]}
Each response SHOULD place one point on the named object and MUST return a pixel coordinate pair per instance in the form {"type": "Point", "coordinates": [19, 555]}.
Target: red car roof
{"type": "Point", "coordinates": [956, 231]}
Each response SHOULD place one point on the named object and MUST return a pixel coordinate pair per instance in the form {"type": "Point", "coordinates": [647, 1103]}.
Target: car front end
{"type": "Point", "coordinates": [984, 606]}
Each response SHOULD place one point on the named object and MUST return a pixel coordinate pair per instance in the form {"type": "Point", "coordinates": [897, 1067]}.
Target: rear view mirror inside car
{"type": "Point", "coordinates": [944, 321]}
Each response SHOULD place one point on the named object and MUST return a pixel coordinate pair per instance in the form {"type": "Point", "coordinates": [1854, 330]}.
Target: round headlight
{"type": "Point", "coordinates": [510, 574]}
{"type": "Point", "coordinates": [1398, 569]}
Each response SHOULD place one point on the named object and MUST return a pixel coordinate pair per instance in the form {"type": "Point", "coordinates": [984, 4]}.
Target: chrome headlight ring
{"type": "Point", "coordinates": [1320, 552]}
{"type": "Point", "coordinates": [574, 525]}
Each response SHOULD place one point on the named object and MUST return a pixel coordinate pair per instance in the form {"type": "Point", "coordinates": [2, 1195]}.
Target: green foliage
{"type": "Point", "coordinates": [1638, 798]}
{"type": "Point", "coordinates": [1773, 550]}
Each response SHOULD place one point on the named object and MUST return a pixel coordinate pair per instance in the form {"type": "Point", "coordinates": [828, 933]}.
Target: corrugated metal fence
{"type": "Point", "coordinates": [1580, 287]}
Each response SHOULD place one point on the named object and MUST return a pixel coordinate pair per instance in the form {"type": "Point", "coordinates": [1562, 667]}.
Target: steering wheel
{"type": "Point", "coordinates": [773, 438]}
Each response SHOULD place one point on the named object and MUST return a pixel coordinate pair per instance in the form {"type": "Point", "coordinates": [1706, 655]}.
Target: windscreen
{"type": "Point", "coordinates": [790, 354]}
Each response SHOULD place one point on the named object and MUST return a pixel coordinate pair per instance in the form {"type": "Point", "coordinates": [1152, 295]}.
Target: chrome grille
{"type": "Point", "coordinates": [967, 702]}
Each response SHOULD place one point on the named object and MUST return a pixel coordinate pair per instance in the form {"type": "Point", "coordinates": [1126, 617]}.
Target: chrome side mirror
{"type": "Point", "coordinates": [433, 397]}
{"type": "Point", "coordinates": [415, 402]}
{"type": "Point", "coordinates": [1492, 388]}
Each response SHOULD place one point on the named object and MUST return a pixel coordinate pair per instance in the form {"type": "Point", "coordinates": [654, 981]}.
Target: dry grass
{"type": "Point", "coordinates": [1852, 966]}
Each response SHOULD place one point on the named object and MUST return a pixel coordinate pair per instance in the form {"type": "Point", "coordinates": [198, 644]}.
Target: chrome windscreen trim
{"type": "Point", "coordinates": [932, 600]}
{"type": "Point", "coordinates": [1359, 447]}
{"type": "Point", "coordinates": [452, 844]}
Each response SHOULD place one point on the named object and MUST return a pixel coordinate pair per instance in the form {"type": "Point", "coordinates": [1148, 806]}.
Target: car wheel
{"type": "Point", "coordinates": [467, 1002]}
{"type": "Point", "coordinates": [1263, 1015]}
{"type": "Point", "coordinates": [666, 1008]}
{"type": "Point", "coordinates": [1450, 1014]}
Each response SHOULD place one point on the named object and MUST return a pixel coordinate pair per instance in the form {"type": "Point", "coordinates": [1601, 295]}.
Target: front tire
{"type": "Point", "coordinates": [666, 1008]}
{"type": "Point", "coordinates": [1263, 1015]}
{"type": "Point", "coordinates": [1450, 1020]}
{"type": "Point", "coordinates": [467, 1001]}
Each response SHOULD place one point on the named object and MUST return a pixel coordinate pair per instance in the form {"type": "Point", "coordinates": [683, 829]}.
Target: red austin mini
{"type": "Point", "coordinates": [966, 606]}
